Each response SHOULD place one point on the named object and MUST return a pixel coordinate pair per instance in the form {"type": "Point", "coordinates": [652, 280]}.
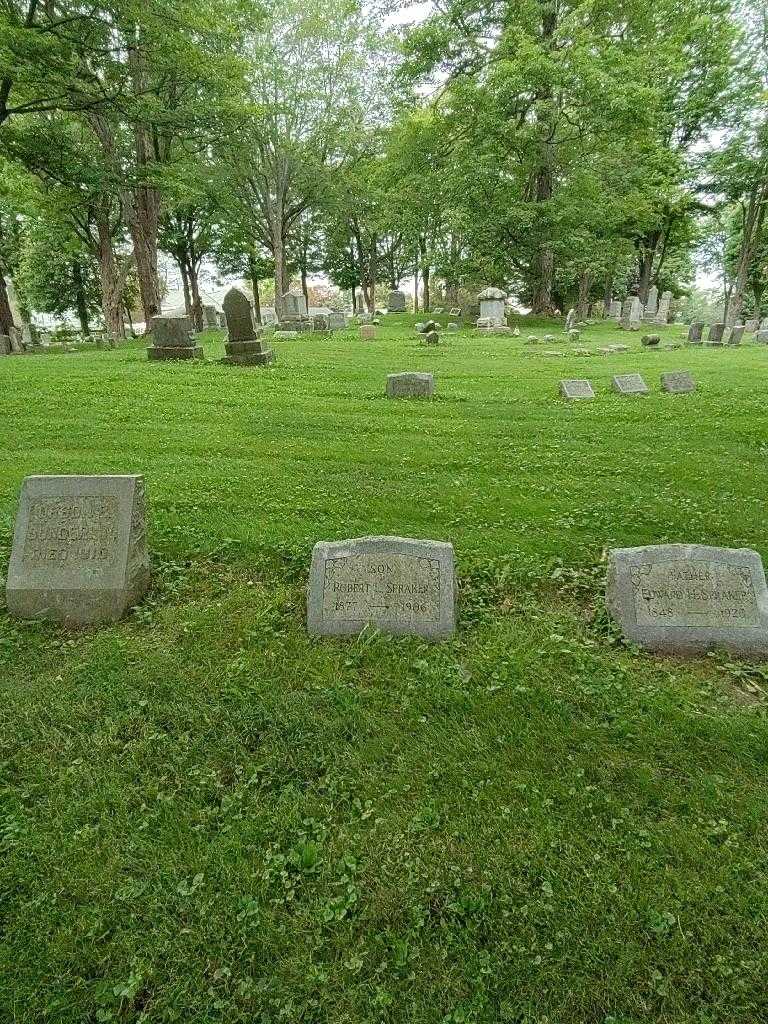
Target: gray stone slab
{"type": "Point", "coordinates": [172, 332]}
{"type": "Point", "coordinates": [715, 336]}
{"type": "Point", "coordinates": [630, 384]}
{"type": "Point", "coordinates": [688, 598]}
{"type": "Point", "coordinates": [396, 301]}
{"type": "Point", "coordinates": [678, 382]}
{"type": "Point", "coordinates": [238, 316]}
{"type": "Point", "coordinates": [576, 389]}
{"type": "Point", "coordinates": [736, 335]}
{"type": "Point", "coordinates": [79, 550]}
{"type": "Point", "coordinates": [410, 385]}
{"type": "Point", "coordinates": [761, 337]}
{"type": "Point", "coordinates": [695, 333]}
{"type": "Point", "coordinates": [399, 586]}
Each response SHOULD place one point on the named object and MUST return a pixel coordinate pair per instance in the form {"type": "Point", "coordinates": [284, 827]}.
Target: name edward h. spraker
{"type": "Point", "coordinates": [398, 585]}
{"type": "Point", "coordinates": [684, 598]}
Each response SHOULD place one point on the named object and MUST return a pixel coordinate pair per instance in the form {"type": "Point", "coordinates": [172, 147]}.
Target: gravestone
{"type": "Point", "coordinates": [737, 333]}
{"type": "Point", "coordinates": [397, 585]}
{"type": "Point", "coordinates": [284, 335]}
{"type": "Point", "coordinates": [626, 307]}
{"type": "Point", "coordinates": [243, 346]}
{"type": "Point", "coordinates": [410, 385]}
{"type": "Point", "coordinates": [337, 321]}
{"type": "Point", "coordinates": [662, 317]}
{"type": "Point", "coordinates": [173, 337]}
{"type": "Point", "coordinates": [367, 332]}
{"type": "Point", "coordinates": [574, 390]}
{"type": "Point", "coordinates": [635, 313]}
{"type": "Point", "coordinates": [360, 307]}
{"type": "Point", "coordinates": [5, 345]}
{"type": "Point", "coordinates": [210, 317]}
{"type": "Point", "coordinates": [570, 321]}
{"type": "Point", "coordinates": [454, 311]}
{"type": "Point", "coordinates": [431, 338]}
{"type": "Point", "coordinates": [321, 323]}
{"type": "Point", "coordinates": [688, 598]}
{"type": "Point", "coordinates": [396, 301]}
{"type": "Point", "coordinates": [652, 305]}
{"type": "Point", "coordinates": [695, 333]}
{"type": "Point", "coordinates": [615, 309]}
{"type": "Point", "coordinates": [650, 340]}
{"type": "Point", "coordinates": [761, 337]}
{"type": "Point", "coordinates": [630, 384]}
{"type": "Point", "coordinates": [493, 307]}
{"type": "Point", "coordinates": [79, 550]}
{"type": "Point", "coordinates": [764, 324]}
{"type": "Point", "coordinates": [751, 326]}
{"type": "Point", "coordinates": [715, 336]}
{"type": "Point", "coordinates": [294, 304]}
{"type": "Point", "coordinates": [678, 382]}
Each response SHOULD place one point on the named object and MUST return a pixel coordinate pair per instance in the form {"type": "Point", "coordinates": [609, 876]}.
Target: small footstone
{"type": "Point", "coordinates": [410, 385]}
{"type": "Point", "coordinates": [79, 550]}
{"type": "Point", "coordinates": [576, 389]}
{"type": "Point", "coordinates": [650, 340]}
{"type": "Point", "coordinates": [688, 598]}
{"type": "Point", "coordinates": [630, 384]}
{"type": "Point", "coordinates": [397, 585]}
{"type": "Point", "coordinates": [679, 382]}
{"type": "Point", "coordinates": [367, 332]}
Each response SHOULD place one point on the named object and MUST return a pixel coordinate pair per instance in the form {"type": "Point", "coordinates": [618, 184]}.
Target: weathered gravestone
{"type": "Point", "coordinates": [210, 317]}
{"type": "Point", "coordinates": [678, 382]}
{"type": "Point", "coordinates": [576, 389]}
{"type": "Point", "coordinates": [751, 326]}
{"type": "Point", "coordinates": [396, 302]}
{"type": "Point", "coordinates": [686, 598]}
{"type": "Point", "coordinates": [652, 305]}
{"type": "Point", "coordinates": [79, 550]}
{"type": "Point", "coordinates": [5, 345]}
{"type": "Point", "coordinates": [431, 338]}
{"type": "Point", "coordinates": [321, 323]}
{"type": "Point", "coordinates": [399, 586]}
{"type": "Point", "coordinates": [173, 338]}
{"type": "Point", "coordinates": [635, 313]}
{"type": "Point", "coordinates": [715, 336]}
{"type": "Point", "coordinates": [615, 309]}
{"type": "Point", "coordinates": [737, 333]}
{"type": "Point", "coordinates": [243, 345]}
{"type": "Point", "coordinates": [695, 333]}
{"type": "Point", "coordinates": [410, 385]}
{"type": "Point", "coordinates": [662, 317]}
{"type": "Point", "coordinates": [293, 312]}
{"type": "Point", "coordinates": [493, 307]}
{"type": "Point", "coordinates": [367, 332]}
{"type": "Point", "coordinates": [761, 337]}
{"type": "Point", "coordinates": [570, 321]}
{"type": "Point", "coordinates": [337, 321]}
{"type": "Point", "coordinates": [630, 384]}
{"type": "Point", "coordinates": [650, 340]}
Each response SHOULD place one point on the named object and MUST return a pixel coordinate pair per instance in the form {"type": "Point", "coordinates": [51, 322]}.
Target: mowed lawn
{"type": "Point", "coordinates": [207, 816]}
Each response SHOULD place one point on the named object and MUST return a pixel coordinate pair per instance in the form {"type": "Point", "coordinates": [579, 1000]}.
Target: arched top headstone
{"type": "Point", "coordinates": [236, 302]}
{"type": "Point", "coordinates": [238, 315]}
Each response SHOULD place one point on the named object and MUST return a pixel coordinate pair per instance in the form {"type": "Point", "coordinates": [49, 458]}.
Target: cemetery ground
{"type": "Point", "coordinates": [207, 815]}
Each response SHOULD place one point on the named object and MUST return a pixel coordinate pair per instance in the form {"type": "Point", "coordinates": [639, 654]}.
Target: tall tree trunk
{"type": "Point", "coordinates": [304, 290]}
{"type": "Point", "coordinates": [197, 302]}
{"type": "Point", "coordinates": [254, 275]}
{"type": "Point", "coordinates": [545, 274]}
{"type": "Point", "coordinates": [425, 272]}
{"type": "Point", "coordinates": [585, 284]}
{"type": "Point", "coordinates": [354, 299]}
{"type": "Point", "coordinates": [278, 251]}
{"type": "Point", "coordinates": [6, 316]}
{"type": "Point", "coordinates": [608, 292]}
{"type": "Point", "coordinates": [416, 281]}
{"type": "Point", "coordinates": [112, 282]}
{"type": "Point", "coordinates": [751, 232]}
{"type": "Point", "coordinates": [81, 304]}
{"type": "Point", "coordinates": [185, 285]}
{"type": "Point", "coordinates": [645, 266]}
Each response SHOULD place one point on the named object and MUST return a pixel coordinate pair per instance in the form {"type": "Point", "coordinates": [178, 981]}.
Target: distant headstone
{"type": "Point", "coordinates": [688, 598]}
{"type": "Point", "coordinates": [431, 338]}
{"type": "Point", "coordinates": [761, 337]}
{"type": "Point", "coordinates": [764, 324]}
{"type": "Point", "coordinates": [284, 335]}
{"type": "Point", "coordinates": [715, 336]}
{"type": "Point", "coordinates": [243, 345]}
{"type": "Point", "coordinates": [630, 384]}
{"type": "Point", "coordinates": [410, 385]}
{"type": "Point", "coordinates": [493, 306]}
{"type": "Point", "coordinates": [695, 333]}
{"type": "Point", "coordinates": [396, 301]}
{"type": "Point", "coordinates": [652, 305]}
{"type": "Point", "coordinates": [662, 317]}
{"type": "Point", "coordinates": [626, 308]}
{"type": "Point", "coordinates": [635, 313]}
{"type": "Point", "coordinates": [574, 390]}
{"type": "Point", "coordinates": [737, 333]}
{"type": "Point", "coordinates": [173, 337]}
{"type": "Point", "coordinates": [751, 326]}
{"type": "Point", "coordinates": [570, 321]}
{"type": "Point", "coordinates": [615, 309]}
{"type": "Point", "coordinates": [678, 382]}
{"type": "Point", "coordinates": [397, 585]}
{"type": "Point", "coordinates": [367, 332]}
{"type": "Point", "coordinates": [79, 550]}
{"type": "Point", "coordinates": [454, 311]}
{"type": "Point", "coordinates": [294, 304]}
{"type": "Point", "coordinates": [210, 316]}
{"type": "Point", "coordinates": [337, 321]}
{"type": "Point", "coordinates": [5, 345]}
{"type": "Point", "coordinates": [321, 323]}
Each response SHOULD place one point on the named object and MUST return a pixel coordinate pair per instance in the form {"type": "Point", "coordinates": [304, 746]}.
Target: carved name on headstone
{"type": "Point", "coordinates": [398, 585]}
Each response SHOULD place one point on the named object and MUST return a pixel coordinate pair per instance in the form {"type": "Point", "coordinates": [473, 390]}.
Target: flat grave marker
{"type": "Point", "coordinates": [678, 382]}
{"type": "Point", "coordinates": [630, 384]}
{"type": "Point", "coordinates": [575, 390]}
{"type": "Point", "coordinates": [410, 385]}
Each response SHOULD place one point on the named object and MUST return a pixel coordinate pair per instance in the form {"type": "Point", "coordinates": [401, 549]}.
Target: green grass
{"type": "Point", "coordinates": [206, 816]}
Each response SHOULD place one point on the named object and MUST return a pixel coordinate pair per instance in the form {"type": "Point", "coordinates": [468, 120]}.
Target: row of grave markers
{"type": "Point", "coordinates": [677, 382]}
{"type": "Point", "coordinates": [80, 557]}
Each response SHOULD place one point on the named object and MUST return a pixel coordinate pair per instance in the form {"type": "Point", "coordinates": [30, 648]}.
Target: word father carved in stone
{"type": "Point", "coordinates": [79, 549]}
{"type": "Point", "coordinates": [683, 598]}
{"type": "Point", "coordinates": [398, 585]}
